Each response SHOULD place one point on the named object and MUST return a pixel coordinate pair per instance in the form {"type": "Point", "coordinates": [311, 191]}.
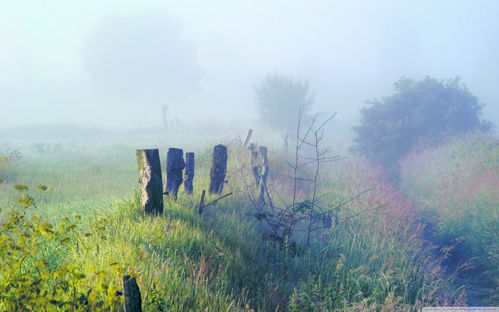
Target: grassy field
{"type": "Point", "coordinates": [456, 189]}
{"type": "Point", "coordinates": [69, 251]}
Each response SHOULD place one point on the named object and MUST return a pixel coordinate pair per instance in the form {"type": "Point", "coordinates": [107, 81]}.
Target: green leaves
{"type": "Point", "coordinates": [42, 188]}
{"type": "Point", "coordinates": [37, 272]}
{"type": "Point", "coordinates": [26, 201]}
{"type": "Point", "coordinates": [20, 187]}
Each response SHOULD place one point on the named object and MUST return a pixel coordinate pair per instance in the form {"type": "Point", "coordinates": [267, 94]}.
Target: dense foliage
{"type": "Point", "coordinates": [279, 98]}
{"type": "Point", "coordinates": [41, 267]}
{"type": "Point", "coordinates": [418, 111]}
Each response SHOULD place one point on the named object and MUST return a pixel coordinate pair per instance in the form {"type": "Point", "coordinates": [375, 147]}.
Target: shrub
{"type": "Point", "coordinates": [38, 271]}
{"type": "Point", "coordinates": [427, 110]}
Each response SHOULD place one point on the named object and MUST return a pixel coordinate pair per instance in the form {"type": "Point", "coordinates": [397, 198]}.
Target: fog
{"type": "Point", "coordinates": [113, 64]}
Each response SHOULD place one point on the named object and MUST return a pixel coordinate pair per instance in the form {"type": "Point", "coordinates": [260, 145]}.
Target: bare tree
{"type": "Point", "coordinates": [304, 211]}
{"type": "Point", "coordinates": [283, 220]}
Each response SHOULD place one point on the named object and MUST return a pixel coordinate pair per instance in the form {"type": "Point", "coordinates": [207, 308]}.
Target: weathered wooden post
{"type": "Point", "coordinates": [151, 182]}
{"type": "Point", "coordinates": [189, 173]}
{"type": "Point", "coordinates": [201, 203]}
{"type": "Point", "coordinates": [131, 291]}
{"type": "Point", "coordinates": [264, 171]}
{"type": "Point", "coordinates": [254, 162]}
{"type": "Point", "coordinates": [248, 137]}
{"type": "Point", "coordinates": [218, 169]}
{"type": "Point", "coordinates": [174, 167]}
{"type": "Point", "coordinates": [264, 164]}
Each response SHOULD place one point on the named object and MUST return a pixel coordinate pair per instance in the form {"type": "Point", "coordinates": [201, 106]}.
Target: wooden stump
{"type": "Point", "coordinates": [218, 169]}
{"type": "Point", "coordinates": [189, 173]}
{"type": "Point", "coordinates": [151, 182]}
{"type": "Point", "coordinates": [133, 300]}
{"type": "Point", "coordinates": [174, 167]}
{"type": "Point", "coordinates": [254, 162]}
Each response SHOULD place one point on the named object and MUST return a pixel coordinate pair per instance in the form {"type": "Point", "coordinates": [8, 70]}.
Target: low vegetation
{"type": "Point", "coordinates": [371, 258]}
{"type": "Point", "coordinates": [455, 186]}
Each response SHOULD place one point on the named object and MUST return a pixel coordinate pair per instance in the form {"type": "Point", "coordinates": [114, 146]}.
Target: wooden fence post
{"type": "Point", "coordinates": [174, 166]}
{"type": "Point", "coordinates": [218, 169]}
{"type": "Point", "coordinates": [151, 182]}
{"type": "Point", "coordinates": [189, 173]}
{"type": "Point", "coordinates": [264, 171]}
{"type": "Point", "coordinates": [264, 165]}
{"type": "Point", "coordinates": [201, 203]}
{"type": "Point", "coordinates": [254, 162]}
{"type": "Point", "coordinates": [248, 137]}
{"type": "Point", "coordinates": [131, 291]}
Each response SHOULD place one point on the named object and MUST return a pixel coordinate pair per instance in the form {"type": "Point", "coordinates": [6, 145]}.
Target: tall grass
{"type": "Point", "coordinates": [372, 258]}
{"type": "Point", "coordinates": [375, 260]}
{"type": "Point", "coordinates": [456, 186]}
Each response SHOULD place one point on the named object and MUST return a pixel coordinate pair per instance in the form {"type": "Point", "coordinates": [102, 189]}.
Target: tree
{"type": "Point", "coordinates": [425, 111]}
{"type": "Point", "coordinates": [142, 56]}
{"type": "Point", "coordinates": [279, 98]}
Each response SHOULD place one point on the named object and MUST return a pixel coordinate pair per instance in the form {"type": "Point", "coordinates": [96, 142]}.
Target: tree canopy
{"type": "Point", "coordinates": [279, 99]}
{"type": "Point", "coordinates": [418, 111]}
{"type": "Point", "coordinates": [143, 56]}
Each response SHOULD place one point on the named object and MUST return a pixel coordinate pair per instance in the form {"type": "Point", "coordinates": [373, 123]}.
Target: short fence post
{"type": "Point", "coordinates": [218, 169]}
{"type": "Point", "coordinates": [264, 171]}
{"type": "Point", "coordinates": [254, 162]}
{"type": "Point", "coordinates": [248, 137]}
{"type": "Point", "coordinates": [174, 166]}
{"type": "Point", "coordinates": [264, 165]}
{"type": "Point", "coordinates": [189, 173]}
{"type": "Point", "coordinates": [151, 182]}
{"type": "Point", "coordinates": [131, 291]}
{"type": "Point", "coordinates": [201, 203]}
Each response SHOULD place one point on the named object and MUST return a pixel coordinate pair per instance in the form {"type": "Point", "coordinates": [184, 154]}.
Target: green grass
{"type": "Point", "coordinates": [80, 181]}
{"type": "Point", "coordinates": [218, 262]}
{"type": "Point", "coordinates": [456, 186]}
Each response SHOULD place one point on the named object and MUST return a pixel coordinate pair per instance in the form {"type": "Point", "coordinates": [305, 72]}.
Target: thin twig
{"type": "Point", "coordinates": [221, 197]}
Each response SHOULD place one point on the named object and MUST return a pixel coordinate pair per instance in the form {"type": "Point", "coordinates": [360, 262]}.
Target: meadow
{"type": "Point", "coordinates": [66, 246]}
{"type": "Point", "coordinates": [456, 188]}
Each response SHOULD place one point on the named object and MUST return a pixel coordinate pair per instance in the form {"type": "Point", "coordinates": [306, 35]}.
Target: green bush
{"type": "Point", "coordinates": [38, 267]}
{"type": "Point", "coordinates": [419, 111]}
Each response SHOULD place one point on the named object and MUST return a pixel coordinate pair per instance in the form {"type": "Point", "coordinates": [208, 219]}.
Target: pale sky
{"type": "Point", "coordinates": [58, 58]}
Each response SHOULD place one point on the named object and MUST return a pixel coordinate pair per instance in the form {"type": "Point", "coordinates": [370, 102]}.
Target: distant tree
{"type": "Point", "coordinates": [142, 56]}
{"type": "Point", "coordinates": [279, 98]}
{"type": "Point", "coordinates": [419, 111]}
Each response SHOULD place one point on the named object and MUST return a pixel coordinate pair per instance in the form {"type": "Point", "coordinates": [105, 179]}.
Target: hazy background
{"type": "Point", "coordinates": [106, 63]}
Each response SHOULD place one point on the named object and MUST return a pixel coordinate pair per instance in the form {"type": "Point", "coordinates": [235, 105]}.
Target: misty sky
{"type": "Point", "coordinates": [104, 63]}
